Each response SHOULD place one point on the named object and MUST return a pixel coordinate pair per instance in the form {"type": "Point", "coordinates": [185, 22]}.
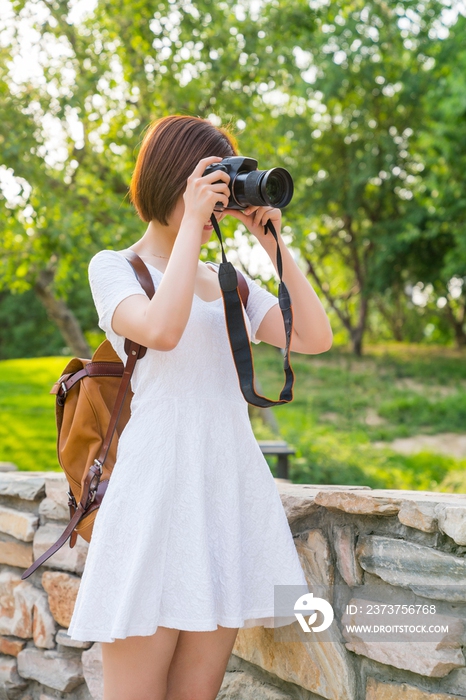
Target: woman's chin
{"type": "Point", "coordinates": [206, 235]}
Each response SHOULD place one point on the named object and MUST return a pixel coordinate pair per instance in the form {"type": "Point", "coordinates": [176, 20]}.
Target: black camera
{"type": "Point", "coordinates": [250, 186]}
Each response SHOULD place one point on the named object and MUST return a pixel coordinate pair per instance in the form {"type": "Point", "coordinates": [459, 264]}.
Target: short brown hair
{"type": "Point", "coordinates": [170, 150]}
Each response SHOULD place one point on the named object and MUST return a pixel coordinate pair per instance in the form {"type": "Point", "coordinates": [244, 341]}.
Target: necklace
{"type": "Point", "coordinates": [165, 257]}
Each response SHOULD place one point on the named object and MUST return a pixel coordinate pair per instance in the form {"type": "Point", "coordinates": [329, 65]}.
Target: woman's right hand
{"type": "Point", "coordinates": [203, 192]}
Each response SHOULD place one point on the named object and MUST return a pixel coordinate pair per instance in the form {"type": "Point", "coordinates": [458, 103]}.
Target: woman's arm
{"type": "Point", "coordinates": [312, 332]}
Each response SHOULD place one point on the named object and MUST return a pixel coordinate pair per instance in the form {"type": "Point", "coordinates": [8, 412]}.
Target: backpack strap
{"type": "Point", "coordinates": [133, 350]}
{"type": "Point", "coordinates": [145, 279]}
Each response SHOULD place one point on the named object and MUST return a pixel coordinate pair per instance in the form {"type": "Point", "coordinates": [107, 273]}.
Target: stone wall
{"type": "Point", "coordinates": [408, 543]}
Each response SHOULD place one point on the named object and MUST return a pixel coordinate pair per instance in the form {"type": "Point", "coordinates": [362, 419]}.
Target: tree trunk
{"type": "Point", "coordinates": [61, 315]}
{"type": "Point", "coordinates": [356, 341]}
{"type": "Point", "coordinates": [457, 321]}
{"type": "Point", "coordinates": [460, 335]}
{"type": "Point", "coordinates": [395, 320]}
{"type": "Point", "coordinates": [357, 332]}
{"type": "Point", "coordinates": [397, 330]}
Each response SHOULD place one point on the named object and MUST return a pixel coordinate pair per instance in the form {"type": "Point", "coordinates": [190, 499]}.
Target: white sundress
{"type": "Point", "coordinates": [191, 532]}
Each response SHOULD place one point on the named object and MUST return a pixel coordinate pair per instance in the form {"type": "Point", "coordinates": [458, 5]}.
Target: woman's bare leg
{"type": "Point", "coordinates": [199, 663]}
{"type": "Point", "coordinates": [136, 668]}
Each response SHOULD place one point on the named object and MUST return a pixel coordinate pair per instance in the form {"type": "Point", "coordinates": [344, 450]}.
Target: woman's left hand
{"type": "Point", "coordinates": [254, 218]}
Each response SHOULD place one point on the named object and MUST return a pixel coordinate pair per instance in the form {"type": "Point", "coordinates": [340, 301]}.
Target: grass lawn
{"type": "Point", "coordinates": [342, 405]}
{"type": "Point", "coordinates": [27, 426]}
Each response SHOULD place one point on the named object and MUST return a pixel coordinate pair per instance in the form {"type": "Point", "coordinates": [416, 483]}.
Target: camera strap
{"type": "Point", "coordinates": [236, 326]}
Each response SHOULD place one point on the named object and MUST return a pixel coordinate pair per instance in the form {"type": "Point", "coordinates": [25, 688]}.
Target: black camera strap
{"type": "Point", "coordinates": [238, 335]}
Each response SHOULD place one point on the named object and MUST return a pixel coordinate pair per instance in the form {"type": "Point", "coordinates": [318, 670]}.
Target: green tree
{"type": "Point", "coordinates": [369, 67]}
{"type": "Point", "coordinates": [335, 93]}
{"type": "Point", "coordinates": [100, 81]}
{"type": "Point", "coordinates": [442, 139]}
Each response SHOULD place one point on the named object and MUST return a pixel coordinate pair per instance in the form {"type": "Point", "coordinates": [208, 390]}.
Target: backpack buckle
{"type": "Point", "coordinates": [71, 499]}
{"type": "Point", "coordinates": [97, 463]}
{"type": "Point", "coordinates": [94, 483]}
{"type": "Point", "coordinates": [61, 397]}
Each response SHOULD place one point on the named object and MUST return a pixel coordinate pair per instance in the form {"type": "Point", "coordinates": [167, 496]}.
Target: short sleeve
{"type": "Point", "coordinates": [111, 279]}
{"type": "Point", "coordinates": [260, 301]}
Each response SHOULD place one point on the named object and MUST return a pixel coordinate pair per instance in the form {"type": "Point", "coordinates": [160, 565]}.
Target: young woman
{"type": "Point", "coordinates": [191, 537]}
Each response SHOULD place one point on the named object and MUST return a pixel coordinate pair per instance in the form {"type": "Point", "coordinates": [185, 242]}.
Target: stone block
{"type": "Point", "coordinates": [16, 554]}
{"type": "Point", "coordinates": [11, 646]}
{"type": "Point", "coordinates": [298, 500]}
{"type": "Point", "coordinates": [14, 618]}
{"type": "Point", "coordinates": [452, 521]}
{"type": "Point", "coordinates": [238, 685]}
{"type": "Point", "coordinates": [399, 654]}
{"type": "Point", "coordinates": [52, 510]}
{"type": "Point", "coordinates": [62, 590]}
{"type": "Point", "coordinates": [10, 680]}
{"type": "Point", "coordinates": [66, 558]}
{"type": "Point", "coordinates": [56, 487]}
{"type": "Point", "coordinates": [432, 658]}
{"type": "Point", "coordinates": [419, 514]}
{"type": "Point", "coordinates": [360, 503]}
{"type": "Point", "coordinates": [21, 484]}
{"type": "Point", "coordinates": [347, 564]}
{"type": "Point", "coordinates": [24, 611]}
{"type": "Point", "coordinates": [316, 560]}
{"type": "Point", "coordinates": [383, 690]}
{"type": "Point", "coordinates": [63, 638]}
{"type": "Point", "coordinates": [54, 669]}
{"type": "Point", "coordinates": [17, 523]}
{"type": "Point", "coordinates": [43, 624]}
{"type": "Point", "coordinates": [92, 670]}
{"type": "Point", "coordinates": [455, 682]}
{"type": "Point", "coordinates": [426, 571]}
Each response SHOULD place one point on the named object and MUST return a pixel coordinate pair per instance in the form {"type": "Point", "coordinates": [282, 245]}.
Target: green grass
{"type": "Point", "coordinates": [27, 426]}
{"type": "Point", "coordinates": [402, 390]}
{"type": "Point", "coordinates": [412, 389]}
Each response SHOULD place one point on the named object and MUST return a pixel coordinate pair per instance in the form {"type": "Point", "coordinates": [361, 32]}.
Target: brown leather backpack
{"type": "Point", "coordinates": [92, 407]}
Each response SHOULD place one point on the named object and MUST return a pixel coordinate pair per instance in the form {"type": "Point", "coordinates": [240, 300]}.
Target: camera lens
{"type": "Point", "coordinates": [272, 188]}
{"type": "Point", "coordinates": [263, 188]}
{"type": "Point", "coordinates": [277, 187]}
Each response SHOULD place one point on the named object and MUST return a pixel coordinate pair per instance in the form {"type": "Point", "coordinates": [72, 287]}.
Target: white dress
{"type": "Point", "coordinates": [191, 532]}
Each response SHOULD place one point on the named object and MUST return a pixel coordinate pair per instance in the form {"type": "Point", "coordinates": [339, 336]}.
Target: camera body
{"type": "Point", "coordinates": [250, 186]}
